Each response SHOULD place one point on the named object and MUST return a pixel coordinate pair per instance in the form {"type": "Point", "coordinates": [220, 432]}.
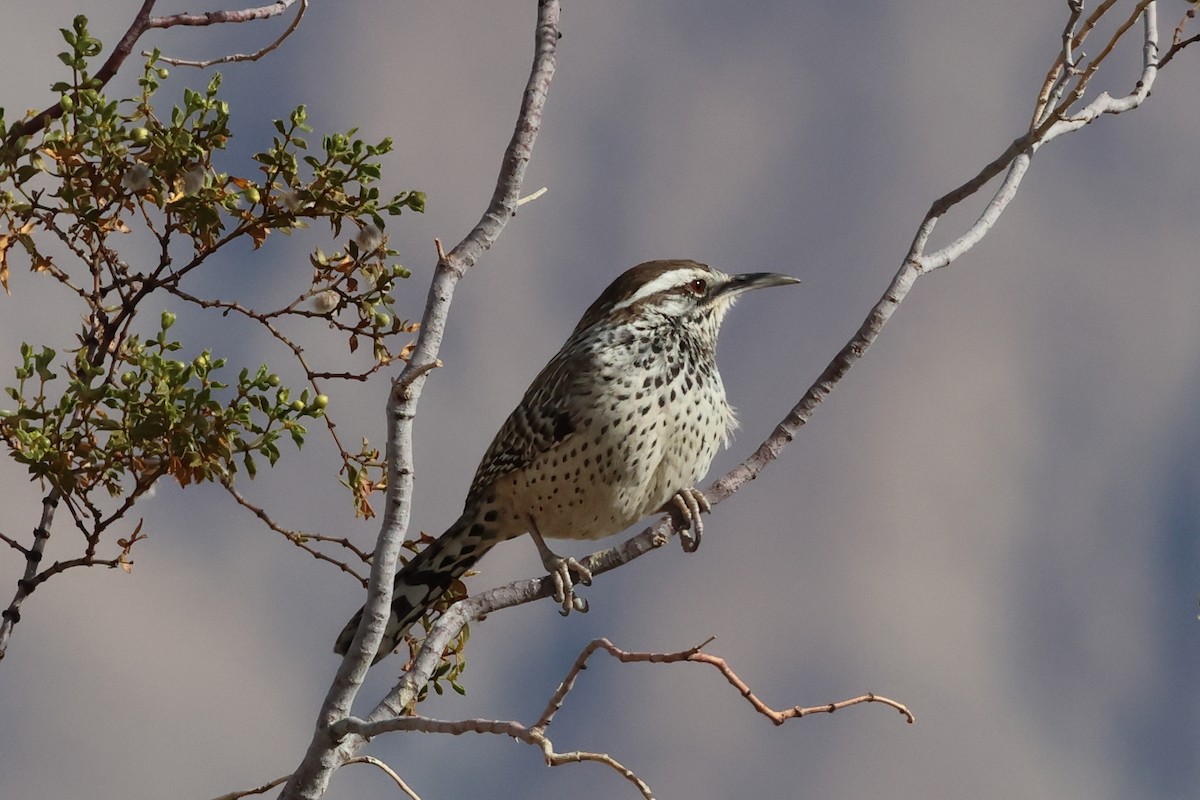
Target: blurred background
{"type": "Point", "coordinates": [993, 519]}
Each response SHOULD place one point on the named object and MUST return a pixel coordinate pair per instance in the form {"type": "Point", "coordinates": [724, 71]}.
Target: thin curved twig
{"type": "Point", "coordinates": [494, 727]}
{"type": "Point", "coordinates": [391, 773]}
{"type": "Point", "coordinates": [236, 57]}
{"type": "Point", "coordinates": [301, 539]}
{"type": "Point", "coordinates": [266, 787]}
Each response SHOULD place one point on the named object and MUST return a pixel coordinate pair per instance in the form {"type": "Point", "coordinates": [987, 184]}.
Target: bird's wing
{"type": "Point", "coordinates": [545, 417]}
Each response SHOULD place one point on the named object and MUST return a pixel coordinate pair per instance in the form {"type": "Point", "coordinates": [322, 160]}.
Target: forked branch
{"type": "Point", "coordinates": [536, 736]}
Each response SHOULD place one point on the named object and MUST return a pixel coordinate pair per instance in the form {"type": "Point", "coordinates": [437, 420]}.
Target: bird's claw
{"type": "Point", "coordinates": [560, 569]}
{"type": "Point", "coordinates": [690, 503]}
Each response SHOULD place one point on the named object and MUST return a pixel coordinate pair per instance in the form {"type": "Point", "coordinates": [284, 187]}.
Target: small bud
{"type": "Point", "coordinates": [321, 401]}
{"type": "Point", "coordinates": [168, 319]}
{"type": "Point", "coordinates": [382, 320]}
{"type": "Point", "coordinates": [139, 135]}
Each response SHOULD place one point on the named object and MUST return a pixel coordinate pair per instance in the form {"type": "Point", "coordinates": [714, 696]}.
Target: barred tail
{"type": "Point", "coordinates": [423, 580]}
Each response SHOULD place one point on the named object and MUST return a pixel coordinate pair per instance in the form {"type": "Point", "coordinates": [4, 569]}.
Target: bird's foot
{"type": "Point", "coordinates": [689, 504]}
{"type": "Point", "coordinates": [564, 589]}
{"type": "Point", "coordinates": [560, 569]}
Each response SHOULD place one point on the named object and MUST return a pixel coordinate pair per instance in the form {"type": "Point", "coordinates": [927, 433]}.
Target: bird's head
{"type": "Point", "coordinates": [685, 291]}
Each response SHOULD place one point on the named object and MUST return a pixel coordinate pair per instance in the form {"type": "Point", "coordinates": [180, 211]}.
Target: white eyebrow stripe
{"type": "Point", "coordinates": [668, 280]}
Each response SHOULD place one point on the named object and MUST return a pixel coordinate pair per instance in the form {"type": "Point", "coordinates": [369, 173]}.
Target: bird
{"type": "Point", "coordinates": [620, 424]}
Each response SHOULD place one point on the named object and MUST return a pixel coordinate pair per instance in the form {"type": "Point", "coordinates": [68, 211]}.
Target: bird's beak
{"type": "Point", "coordinates": [755, 280]}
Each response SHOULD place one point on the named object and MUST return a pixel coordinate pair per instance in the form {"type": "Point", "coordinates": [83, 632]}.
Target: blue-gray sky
{"type": "Point", "coordinates": [994, 518]}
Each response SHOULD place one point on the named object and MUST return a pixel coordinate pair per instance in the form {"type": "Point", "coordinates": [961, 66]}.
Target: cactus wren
{"type": "Point", "coordinates": [620, 424]}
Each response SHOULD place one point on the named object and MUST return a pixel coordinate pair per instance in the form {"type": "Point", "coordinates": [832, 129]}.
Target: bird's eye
{"type": "Point", "coordinates": [698, 286]}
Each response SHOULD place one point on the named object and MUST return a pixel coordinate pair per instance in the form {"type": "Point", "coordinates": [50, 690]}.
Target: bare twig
{"type": "Point", "coordinates": [696, 654]}
{"type": "Point", "coordinates": [14, 544]}
{"type": "Point", "coordinates": [536, 733]}
{"type": "Point", "coordinates": [266, 787]}
{"type": "Point", "coordinates": [391, 773]}
{"type": "Point", "coordinates": [529, 198]}
{"type": "Point", "coordinates": [220, 17]}
{"type": "Point", "coordinates": [405, 381]}
{"type": "Point", "coordinates": [795, 712]}
{"type": "Point", "coordinates": [530, 736]}
{"type": "Point", "coordinates": [1068, 34]}
{"type": "Point", "coordinates": [300, 539]}
{"type": "Point", "coordinates": [1178, 42]}
{"type": "Point", "coordinates": [235, 57]}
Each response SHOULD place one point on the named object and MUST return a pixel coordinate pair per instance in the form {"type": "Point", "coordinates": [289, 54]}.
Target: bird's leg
{"type": "Point", "coordinates": [689, 503]}
{"type": "Point", "coordinates": [560, 569]}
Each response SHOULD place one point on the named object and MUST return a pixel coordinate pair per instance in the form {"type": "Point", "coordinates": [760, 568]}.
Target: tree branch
{"type": "Point", "coordinates": [235, 57]}
{"type": "Point", "coordinates": [326, 752]}
{"type": "Point", "coordinates": [536, 734]}
{"type": "Point", "coordinates": [29, 580]}
{"type": "Point", "coordinates": [143, 22]}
